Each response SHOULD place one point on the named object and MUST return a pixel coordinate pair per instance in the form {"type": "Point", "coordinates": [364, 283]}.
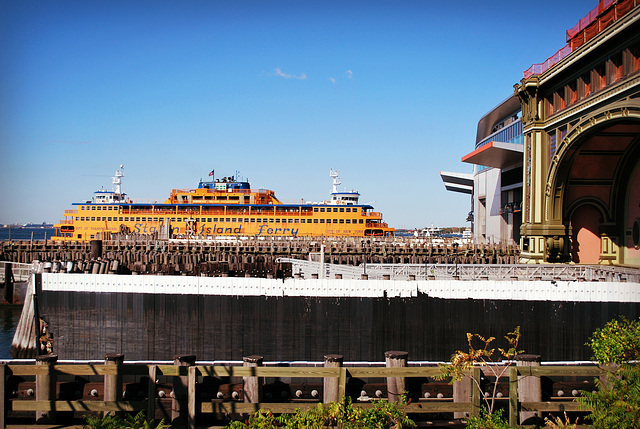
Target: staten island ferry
{"type": "Point", "coordinates": [226, 206]}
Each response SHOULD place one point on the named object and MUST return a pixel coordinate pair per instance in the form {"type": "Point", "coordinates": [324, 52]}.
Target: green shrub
{"type": "Point", "coordinates": [488, 420]}
{"type": "Point", "coordinates": [381, 415]}
{"type": "Point", "coordinates": [109, 421]}
{"type": "Point", "coordinates": [616, 403]}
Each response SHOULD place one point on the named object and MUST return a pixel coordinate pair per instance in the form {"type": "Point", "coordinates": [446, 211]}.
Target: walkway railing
{"type": "Point", "coordinates": [21, 272]}
{"type": "Point", "coordinates": [188, 404]}
{"type": "Point", "coordinates": [311, 269]}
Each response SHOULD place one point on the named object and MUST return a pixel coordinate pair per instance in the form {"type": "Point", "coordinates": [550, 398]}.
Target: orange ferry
{"type": "Point", "coordinates": [221, 207]}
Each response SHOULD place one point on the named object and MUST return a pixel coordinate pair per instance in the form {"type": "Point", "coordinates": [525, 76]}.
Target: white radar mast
{"type": "Point", "coordinates": [336, 179]}
{"type": "Point", "coordinates": [117, 180]}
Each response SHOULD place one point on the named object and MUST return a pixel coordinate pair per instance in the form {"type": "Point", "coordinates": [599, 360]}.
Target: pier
{"type": "Point", "coordinates": [244, 256]}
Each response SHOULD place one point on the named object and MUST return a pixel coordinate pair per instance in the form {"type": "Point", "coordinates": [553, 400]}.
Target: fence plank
{"type": "Point", "coordinates": [513, 396]}
{"type": "Point", "coordinates": [79, 405]}
{"type": "Point", "coordinates": [554, 406]}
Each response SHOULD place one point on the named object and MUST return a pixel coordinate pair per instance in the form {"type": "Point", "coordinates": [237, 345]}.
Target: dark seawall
{"type": "Point", "coordinates": [87, 325]}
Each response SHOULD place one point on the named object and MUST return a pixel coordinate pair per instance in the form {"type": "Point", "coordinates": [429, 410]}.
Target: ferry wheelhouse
{"type": "Point", "coordinates": [220, 207]}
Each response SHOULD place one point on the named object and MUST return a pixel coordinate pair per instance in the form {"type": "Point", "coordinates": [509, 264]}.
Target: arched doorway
{"type": "Point", "coordinates": [585, 222]}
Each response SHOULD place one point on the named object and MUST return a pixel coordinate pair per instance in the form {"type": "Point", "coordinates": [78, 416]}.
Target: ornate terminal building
{"type": "Point", "coordinates": [581, 126]}
{"type": "Point", "coordinates": [557, 165]}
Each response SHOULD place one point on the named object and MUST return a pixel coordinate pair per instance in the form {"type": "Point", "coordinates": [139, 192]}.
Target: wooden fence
{"type": "Point", "coordinates": [187, 405]}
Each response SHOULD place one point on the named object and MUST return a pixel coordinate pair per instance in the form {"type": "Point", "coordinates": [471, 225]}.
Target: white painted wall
{"type": "Point", "coordinates": [565, 291]}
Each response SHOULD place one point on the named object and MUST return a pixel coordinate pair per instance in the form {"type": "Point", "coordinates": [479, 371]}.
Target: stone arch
{"type": "Point", "coordinates": [586, 216]}
{"type": "Point", "coordinates": [591, 171]}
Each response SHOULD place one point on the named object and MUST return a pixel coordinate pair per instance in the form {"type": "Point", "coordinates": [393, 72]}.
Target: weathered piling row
{"type": "Point", "coordinates": [243, 257]}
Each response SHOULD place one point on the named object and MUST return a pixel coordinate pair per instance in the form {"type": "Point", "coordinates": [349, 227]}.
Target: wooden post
{"type": "Point", "coordinates": [179, 403]}
{"type": "Point", "coordinates": [46, 387]}
{"type": "Point", "coordinates": [191, 401]}
{"type": "Point", "coordinates": [462, 391]}
{"type": "Point", "coordinates": [113, 382]}
{"type": "Point", "coordinates": [332, 384]}
{"type": "Point", "coordinates": [3, 372]}
{"type": "Point", "coordinates": [151, 393]}
{"type": "Point", "coordinates": [395, 385]}
{"type": "Point", "coordinates": [8, 283]}
{"type": "Point", "coordinates": [252, 385]}
{"type": "Point", "coordinates": [476, 396]}
{"type": "Point", "coordinates": [529, 387]}
{"type": "Point", "coordinates": [513, 397]}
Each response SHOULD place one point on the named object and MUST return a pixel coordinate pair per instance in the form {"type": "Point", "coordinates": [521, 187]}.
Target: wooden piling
{"type": "Point", "coordinates": [462, 392]}
{"type": "Point", "coordinates": [395, 385]}
{"type": "Point", "coordinates": [113, 382]}
{"type": "Point", "coordinates": [179, 404]}
{"type": "Point", "coordinates": [252, 385]}
{"type": "Point", "coordinates": [8, 283]}
{"type": "Point", "coordinates": [529, 387]}
{"type": "Point", "coordinates": [46, 387]}
{"type": "Point", "coordinates": [332, 384]}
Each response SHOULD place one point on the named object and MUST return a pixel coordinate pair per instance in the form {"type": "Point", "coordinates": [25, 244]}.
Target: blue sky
{"type": "Point", "coordinates": [389, 93]}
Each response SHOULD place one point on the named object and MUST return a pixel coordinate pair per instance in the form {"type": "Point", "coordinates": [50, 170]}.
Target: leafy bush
{"type": "Point", "coordinates": [381, 415]}
{"type": "Point", "coordinates": [617, 342]}
{"type": "Point", "coordinates": [109, 421]}
{"type": "Point", "coordinates": [483, 355]}
{"type": "Point", "coordinates": [488, 420]}
{"type": "Point", "coordinates": [616, 403]}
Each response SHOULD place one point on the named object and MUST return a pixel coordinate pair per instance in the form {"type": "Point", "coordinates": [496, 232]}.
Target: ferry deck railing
{"type": "Point", "coordinates": [310, 269]}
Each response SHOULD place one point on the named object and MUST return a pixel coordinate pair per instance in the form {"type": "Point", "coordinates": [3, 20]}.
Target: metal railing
{"type": "Point", "coordinates": [21, 272]}
{"type": "Point", "coordinates": [307, 269]}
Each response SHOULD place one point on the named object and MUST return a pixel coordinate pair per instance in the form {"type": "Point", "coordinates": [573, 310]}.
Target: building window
{"type": "Point", "coordinates": [548, 102]}
{"type": "Point", "coordinates": [634, 59]}
{"type": "Point", "coordinates": [584, 86]}
{"type": "Point", "coordinates": [571, 93]}
{"type": "Point", "coordinates": [552, 144]}
{"type": "Point", "coordinates": [599, 78]}
{"type": "Point", "coordinates": [558, 100]}
{"type": "Point", "coordinates": [615, 68]}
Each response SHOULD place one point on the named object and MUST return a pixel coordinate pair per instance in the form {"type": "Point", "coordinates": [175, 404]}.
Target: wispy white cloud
{"type": "Point", "coordinates": [67, 142]}
{"type": "Point", "coordinates": [349, 74]}
{"type": "Point", "coordinates": [290, 76]}
{"type": "Point", "coordinates": [332, 80]}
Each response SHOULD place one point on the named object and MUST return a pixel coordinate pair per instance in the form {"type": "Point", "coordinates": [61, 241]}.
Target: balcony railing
{"type": "Point", "coordinates": [511, 133]}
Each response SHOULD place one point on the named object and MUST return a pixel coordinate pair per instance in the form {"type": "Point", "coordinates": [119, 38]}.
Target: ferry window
{"type": "Point", "coordinates": [233, 219]}
{"type": "Point", "coordinates": [137, 219]}
{"type": "Point", "coordinates": [271, 220]}
{"type": "Point", "coordinates": [361, 221]}
{"type": "Point", "coordinates": [341, 209]}
{"type": "Point", "coordinates": [215, 219]}
{"type": "Point", "coordinates": [93, 236]}
{"type": "Point", "coordinates": [208, 219]}
{"type": "Point", "coordinates": [322, 209]}
{"type": "Point", "coordinates": [155, 219]}
{"type": "Point", "coordinates": [301, 220]}
{"type": "Point", "coordinates": [335, 221]}
{"type": "Point", "coordinates": [93, 218]}
{"type": "Point", "coordinates": [79, 235]}
{"type": "Point", "coordinates": [93, 208]}
{"type": "Point", "coordinates": [120, 219]}
{"type": "Point", "coordinates": [109, 218]}
{"type": "Point", "coordinates": [246, 220]}
{"type": "Point", "coordinates": [341, 220]}
{"type": "Point", "coordinates": [290, 220]}
{"type": "Point", "coordinates": [296, 220]}
{"type": "Point", "coordinates": [315, 209]}
{"type": "Point", "coordinates": [348, 220]}
{"type": "Point", "coordinates": [253, 220]}
{"type": "Point", "coordinates": [144, 219]}
{"type": "Point", "coordinates": [173, 219]}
